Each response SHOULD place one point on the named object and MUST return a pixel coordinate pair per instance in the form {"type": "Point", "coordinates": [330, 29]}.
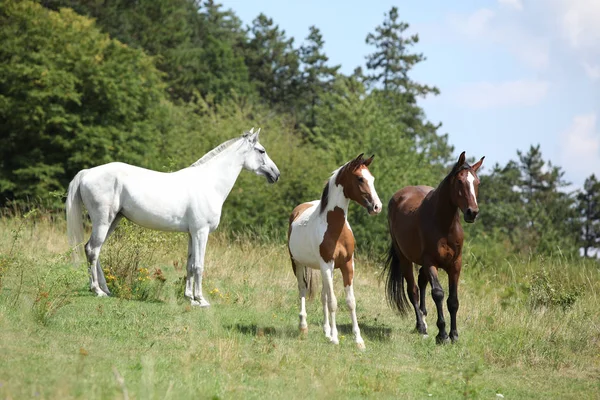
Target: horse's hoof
{"type": "Point", "coordinates": [200, 303]}
{"type": "Point", "coordinates": [101, 294]}
{"type": "Point", "coordinates": [361, 346]}
{"type": "Point", "coordinates": [442, 340]}
{"type": "Point", "coordinates": [425, 336]}
{"type": "Point", "coordinates": [335, 341]}
{"type": "Point", "coordinates": [304, 331]}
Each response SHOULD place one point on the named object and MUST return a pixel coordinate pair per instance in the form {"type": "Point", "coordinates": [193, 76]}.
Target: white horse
{"type": "Point", "coordinates": [189, 200]}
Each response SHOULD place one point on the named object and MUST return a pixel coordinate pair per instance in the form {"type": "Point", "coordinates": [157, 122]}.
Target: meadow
{"type": "Point", "coordinates": [529, 326]}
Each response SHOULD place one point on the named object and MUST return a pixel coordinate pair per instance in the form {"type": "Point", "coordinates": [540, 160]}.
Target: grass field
{"type": "Point", "coordinates": [524, 334]}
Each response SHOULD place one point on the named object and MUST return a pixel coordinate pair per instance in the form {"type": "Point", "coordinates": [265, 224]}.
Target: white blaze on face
{"type": "Point", "coordinates": [471, 179]}
{"type": "Point", "coordinates": [366, 174]}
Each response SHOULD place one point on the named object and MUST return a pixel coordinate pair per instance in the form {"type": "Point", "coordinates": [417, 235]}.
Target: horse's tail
{"type": "Point", "coordinates": [395, 282]}
{"type": "Point", "coordinates": [310, 281]}
{"type": "Point", "coordinates": [74, 218]}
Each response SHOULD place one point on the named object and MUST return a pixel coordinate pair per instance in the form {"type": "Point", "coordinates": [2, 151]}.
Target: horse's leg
{"type": "Point", "coordinates": [438, 297]}
{"type": "Point", "coordinates": [348, 278]}
{"type": "Point", "coordinates": [423, 279]}
{"type": "Point", "coordinates": [92, 251]}
{"type": "Point", "coordinates": [452, 302]}
{"type": "Point", "coordinates": [327, 274]}
{"type": "Point", "coordinates": [413, 292]}
{"type": "Point", "coordinates": [199, 240]}
{"type": "Point", "coordinates": [303, 326]}
{"type": "Point", "coordinates": [189, 284]}
{"type": "Point", "coordinates": [324, 297]}
{"type": "Point", "coordinates": [101, 278]}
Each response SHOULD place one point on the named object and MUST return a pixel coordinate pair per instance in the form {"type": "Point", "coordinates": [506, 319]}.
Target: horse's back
{"type": "Point", "coordinates": [403, 219]}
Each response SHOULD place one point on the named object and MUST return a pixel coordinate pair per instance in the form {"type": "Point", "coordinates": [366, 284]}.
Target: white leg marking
{"type": "Point", "coordinates": [303, 326]}
{"type": "Point", "coordinates": [351, 302]}
{"type": "Point", "coordinates": [327, 274]}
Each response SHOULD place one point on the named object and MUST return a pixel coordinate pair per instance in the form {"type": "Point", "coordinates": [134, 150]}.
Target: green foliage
{"type": "Point", "coordinates": [273, 63]}
{"type": "Point", "coordinates": [588, 210]}
{"type": "Point", "coordinates": [128, 258]}
{"type": "Point", "coordinates": [71, 97]}
{"type": "Point", "coordinates": [551, 291]}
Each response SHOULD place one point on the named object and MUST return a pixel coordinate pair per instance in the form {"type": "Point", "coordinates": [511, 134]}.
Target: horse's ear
{"type": "Point", "coordinates": [477, 164]}
{"type": "Point", "coordinates": [461, 159]}
{"type": "Point", "coordinates": [368, 161]}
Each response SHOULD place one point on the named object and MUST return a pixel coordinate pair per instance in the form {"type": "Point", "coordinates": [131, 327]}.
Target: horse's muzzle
{"type": "Point", "coordinates": [271, 175]}
{"type": "Point", "coordinates": [373, 208]}
{"type": "Point", "coordinates": [471, 215]}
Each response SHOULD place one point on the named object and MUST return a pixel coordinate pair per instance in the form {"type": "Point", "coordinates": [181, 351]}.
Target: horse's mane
{"type": "Point", "coordinates": [325, 194]}
{"type": "Point", "coordinates": [213, 153]}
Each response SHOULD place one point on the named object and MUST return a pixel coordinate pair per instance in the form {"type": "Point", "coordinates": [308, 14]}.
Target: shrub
{"type": "Point", "coordinates": [551, 291]}
{"type": "Point", "coordinates": [129, 257]}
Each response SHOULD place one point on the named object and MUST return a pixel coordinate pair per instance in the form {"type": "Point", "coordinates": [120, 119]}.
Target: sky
{"type": "Point", "coordinates": [512, 73]}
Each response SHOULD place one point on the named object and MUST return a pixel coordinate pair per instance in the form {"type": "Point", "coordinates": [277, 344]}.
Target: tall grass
{"type": "Point", "coordinates": [58, 341]}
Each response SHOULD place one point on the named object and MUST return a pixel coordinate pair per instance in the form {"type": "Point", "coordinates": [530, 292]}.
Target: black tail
{"type": "Point", "coordinates": [395, 282]}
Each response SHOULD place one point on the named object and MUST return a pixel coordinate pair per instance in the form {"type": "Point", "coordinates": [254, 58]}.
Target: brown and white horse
{"type": "Point", "coordinates": [320, 237]}
{"type": "Point", "coordinates": [425, 229]}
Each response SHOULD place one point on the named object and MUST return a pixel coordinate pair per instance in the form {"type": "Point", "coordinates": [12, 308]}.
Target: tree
{"type": "Point", "coordinates": [70, 97]}
{"type": "Point", "coordinates": [588, 209]}
{"type": "Point", "coordinates": [389, 67]}
{"type": "Point", "coordinates": [197, 45]}
{"type": "Point", "coordinates": [273, 64]}
{"type": "Point", "coordinates": [317, 76]}
{"type": "Point", "coordinates": [391, 63]}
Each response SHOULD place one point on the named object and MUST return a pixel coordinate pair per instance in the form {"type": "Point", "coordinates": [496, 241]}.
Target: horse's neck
{"type": "Point", "coordinates": [446, 211]}
{"type": "Point", "coordinates": [224, 170]}
{"type": "Point", "coordinates": [336, 198]}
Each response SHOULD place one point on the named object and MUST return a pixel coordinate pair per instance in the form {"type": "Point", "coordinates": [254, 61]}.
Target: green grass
{"type": "Point", "coordinates": [246, 345]}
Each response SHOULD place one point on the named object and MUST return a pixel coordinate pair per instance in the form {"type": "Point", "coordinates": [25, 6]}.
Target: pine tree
{"type": "Point", "coordinates": [588, 209]}
{"type": "Point", "coordinates": [273, 64]}
{"type": "Point", "coordinates": [392, 61]}
{"type": "Point", "coordinates": [389, 67]}
{"type": "Point", "coordinates": [317, 76]}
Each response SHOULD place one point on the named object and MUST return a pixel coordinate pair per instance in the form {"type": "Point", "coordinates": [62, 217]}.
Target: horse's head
{"type": "Point", "coordinates": [257, 160]}
{"type": "Point", "coordinates": [358, 184]}
{"type": "Point", "coordinates": [465, 187]}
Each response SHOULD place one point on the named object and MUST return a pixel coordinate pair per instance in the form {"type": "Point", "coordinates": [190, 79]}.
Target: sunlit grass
{"type": "Point", "coordinates": [246, 344]}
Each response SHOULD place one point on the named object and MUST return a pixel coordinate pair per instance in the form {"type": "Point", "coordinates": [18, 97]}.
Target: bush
{"type": "Point", "coordinates": [128, 257]}
{"type": "Point", "coordinates": [551, 291]}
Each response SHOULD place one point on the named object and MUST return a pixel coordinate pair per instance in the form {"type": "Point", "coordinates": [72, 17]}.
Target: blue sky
{"type": "Point", "coordinates": [512, 73]}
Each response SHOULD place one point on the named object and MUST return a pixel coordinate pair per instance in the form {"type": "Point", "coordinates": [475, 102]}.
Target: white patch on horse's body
{"type": "Point", "coordinates": [189, 200]}
{"type": "Point", "coordinates": [309, 228]}
{"type": "Point", "coordinates": [471, 179]}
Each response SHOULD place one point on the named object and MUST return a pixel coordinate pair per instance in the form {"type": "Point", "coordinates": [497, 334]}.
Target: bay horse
{"type": "Point", "coordinates": [189, 200]}
{"type": "Point", "coordinates": [425, 229]}
{"type": "Point", "coordinates": [320, 238]}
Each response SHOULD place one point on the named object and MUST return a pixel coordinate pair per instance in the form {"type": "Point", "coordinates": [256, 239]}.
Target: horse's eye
{"type": "Point", "coordinates": [261, 151]}
{"type": "Point", "coordinates": [361, 179]}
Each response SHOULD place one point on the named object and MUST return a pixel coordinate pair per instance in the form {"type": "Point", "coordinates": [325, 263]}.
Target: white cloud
{"type": "Point", "coordinates": [592, 71]}
{"type": "Point", "coordinates": [579, 20]}
{"type": "Point", "coordinates": [516, 4]}
{"type": "Point", "coordinates": [486, 95]}
{"type": "Point", "coordinates": [492, 28]}
{"type": "Point", "coordinates": [580, 147]}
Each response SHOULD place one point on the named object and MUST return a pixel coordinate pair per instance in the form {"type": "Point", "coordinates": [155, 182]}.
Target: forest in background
{"type": "Point", "coordinates": [157, 83]}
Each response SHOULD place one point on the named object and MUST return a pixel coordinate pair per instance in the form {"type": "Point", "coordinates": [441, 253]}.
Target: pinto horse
{"type": "Point", "coordinates": [320, 237]}
{"type": "Point", "coordinates": [189, 200]}
{"type": "Point", "coordinates": [425, 229]}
